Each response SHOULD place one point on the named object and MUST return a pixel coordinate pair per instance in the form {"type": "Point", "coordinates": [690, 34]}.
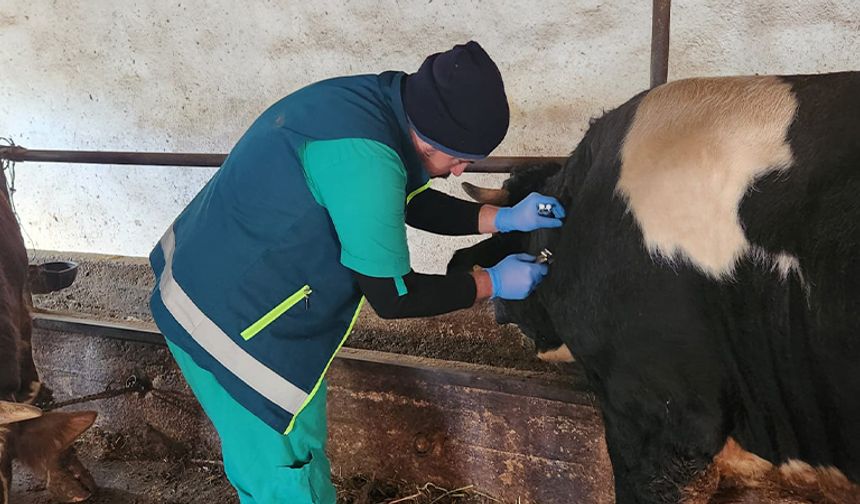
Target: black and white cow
{"type": "Point", "coordinates": [707, 278]}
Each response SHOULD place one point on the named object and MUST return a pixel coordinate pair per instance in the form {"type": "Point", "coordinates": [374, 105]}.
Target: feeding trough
{"type": "Point", "coordinates": [52, 276]}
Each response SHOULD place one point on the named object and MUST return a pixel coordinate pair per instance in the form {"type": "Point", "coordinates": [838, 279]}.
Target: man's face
{"type": "Point", "coordinates": [436, 162]}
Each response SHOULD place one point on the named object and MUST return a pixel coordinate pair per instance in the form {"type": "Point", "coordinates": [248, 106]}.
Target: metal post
{"type": "Point", "coordinates": [660, 42]}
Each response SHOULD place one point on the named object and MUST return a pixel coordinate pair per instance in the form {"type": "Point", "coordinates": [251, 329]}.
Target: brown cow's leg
{"type": "Point", "coordinates": [44, 444]}
{"type": "Point", "coordinates": [30, 386]}
{"type": "Point", "coordinates": [68, 480]}
{"type": "Point", "coordinates": [10, 375]}
{"type": "Point", "coordinates": [5, 464]}
{"type": "Point", "coordinates": [11, 414]}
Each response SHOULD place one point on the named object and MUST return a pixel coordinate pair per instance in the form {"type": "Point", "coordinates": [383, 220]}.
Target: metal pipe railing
{"type": "Point", "coordinates": [499, 164]}
{"type": "Point", "coordinates": [16, 153]}
{"type": "Point", "coordinates": [660, 41]}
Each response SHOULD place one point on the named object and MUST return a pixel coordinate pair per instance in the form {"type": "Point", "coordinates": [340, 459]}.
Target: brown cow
{"type": "Point", "coordinates": [40, 441]}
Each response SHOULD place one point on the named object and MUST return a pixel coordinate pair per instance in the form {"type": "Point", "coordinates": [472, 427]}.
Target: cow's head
{"type": "Point", "coordinates": [43, 442]}
{"type": "Point", "coordinates": [530, 315]}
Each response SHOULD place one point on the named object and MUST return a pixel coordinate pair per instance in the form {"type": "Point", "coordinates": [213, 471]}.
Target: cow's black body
{"type": "Point", "coordinates": [679, 359]}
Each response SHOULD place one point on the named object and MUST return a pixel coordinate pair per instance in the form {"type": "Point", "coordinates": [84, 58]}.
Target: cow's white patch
{"type": "Point", "coordinates": [782, 263]}
{"type": "Point", "coordinates": [560, 354]}
{"type": "Point", "coordinates": [692, 151]}
{"type": "Point", "coordinates": [786, 263]}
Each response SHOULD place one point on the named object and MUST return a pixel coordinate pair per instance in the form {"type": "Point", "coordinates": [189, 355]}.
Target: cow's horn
{"type": "Point", "coordinates": [11, 412]}
{"type": "Point", "coordinates": [498, 197]}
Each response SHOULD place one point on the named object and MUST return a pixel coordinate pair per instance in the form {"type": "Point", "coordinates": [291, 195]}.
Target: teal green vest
{"type": "Point", "coordinates": [249, 278]}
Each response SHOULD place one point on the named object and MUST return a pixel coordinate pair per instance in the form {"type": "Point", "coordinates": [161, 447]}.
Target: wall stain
{"type": "Point", "coordinates": [7, 20]}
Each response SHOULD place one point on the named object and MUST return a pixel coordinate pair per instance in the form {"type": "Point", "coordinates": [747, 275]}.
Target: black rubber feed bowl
{"type": "Point", "coordinates": [52, 276]}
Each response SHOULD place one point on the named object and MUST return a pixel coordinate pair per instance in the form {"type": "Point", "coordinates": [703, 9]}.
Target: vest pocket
{"type": "Point", "coordinates": [274, 313]}
{"type": "Point", "coordinates": [295, 485]}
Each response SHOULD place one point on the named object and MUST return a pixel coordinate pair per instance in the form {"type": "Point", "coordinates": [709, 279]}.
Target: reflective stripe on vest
{"type": "Point", "coordinates": [418, 191]}
{"type": "Point", "coordinates": [221, 347]}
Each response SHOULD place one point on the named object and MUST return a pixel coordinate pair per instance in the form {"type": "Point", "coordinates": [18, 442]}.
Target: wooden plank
{"type": "Point", "coordinates": [512, 446]}
{"type": "Point", "coordinates": [430, 370]}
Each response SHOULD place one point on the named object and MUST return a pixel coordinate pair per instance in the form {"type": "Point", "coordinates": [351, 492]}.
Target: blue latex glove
{"type": "Point", "coordinates": [516, 276]}
{"type": "Point", "coordinates": [524, 215]}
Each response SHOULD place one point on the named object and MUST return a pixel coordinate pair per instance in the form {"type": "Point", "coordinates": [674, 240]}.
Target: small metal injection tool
{"type": "Point", "coordinates": [545, 256]}
{"type": "Point", "coordinates": [545, 209]}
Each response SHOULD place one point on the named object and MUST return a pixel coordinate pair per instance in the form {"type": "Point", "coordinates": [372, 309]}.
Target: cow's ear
{"type": "Point", "coordinates": [51, 433]}
{"type": "Point", "coordinates": [11, 412]}
{"type": "Point", "coordinates": [498, 197]}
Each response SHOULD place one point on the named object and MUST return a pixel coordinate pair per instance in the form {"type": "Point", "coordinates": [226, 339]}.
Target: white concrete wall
{"type": "Point", "coordinates": [190, 75]}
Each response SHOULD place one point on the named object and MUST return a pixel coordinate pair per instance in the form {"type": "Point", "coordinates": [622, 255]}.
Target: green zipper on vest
{"type": "Point", "coordinates": [276, 312]}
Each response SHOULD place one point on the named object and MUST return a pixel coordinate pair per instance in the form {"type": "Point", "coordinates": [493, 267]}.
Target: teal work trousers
{"type": "Point", "coordinates": [265, 466]}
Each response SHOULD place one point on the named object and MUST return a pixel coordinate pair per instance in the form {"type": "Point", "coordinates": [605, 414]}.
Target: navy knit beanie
{"type": "Point", "coordinates": [456, 102]}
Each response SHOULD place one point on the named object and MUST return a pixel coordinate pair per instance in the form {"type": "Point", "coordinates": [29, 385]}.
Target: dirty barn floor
{"type": "Point", "coordinates": [183, 481]}
{"type": "Point", "coordinates": [117, 288]}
